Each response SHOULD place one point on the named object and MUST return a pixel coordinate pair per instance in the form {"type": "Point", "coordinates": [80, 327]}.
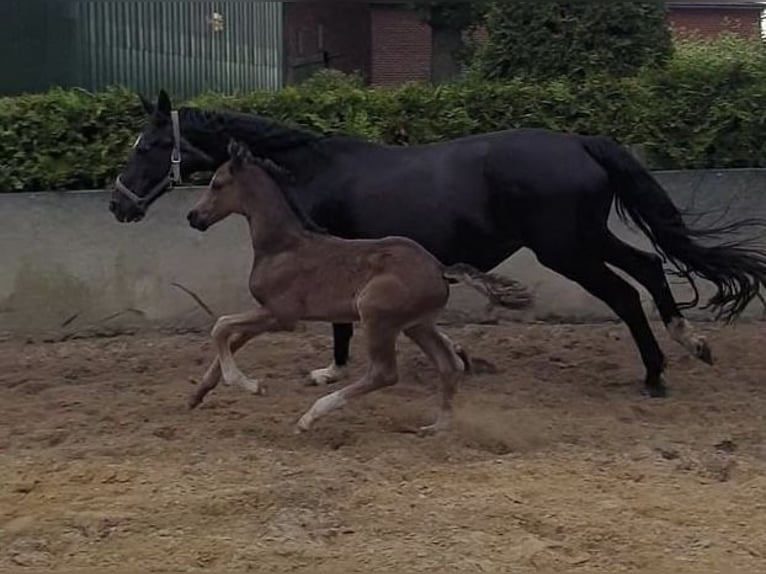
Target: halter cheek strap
{"type": "Point", "coordinates": [175, 155]}
{"type": "Point", "coordinates": [173, 176]}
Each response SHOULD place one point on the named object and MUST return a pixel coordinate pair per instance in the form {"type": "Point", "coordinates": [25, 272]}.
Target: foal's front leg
{"type": "Point", "coordinates": [212, 376]}
{"type": "Point", "coordinates": [252, 323]}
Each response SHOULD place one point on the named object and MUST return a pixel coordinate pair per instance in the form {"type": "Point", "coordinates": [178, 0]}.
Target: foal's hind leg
{"type": "Point", "coordinates": [382, 372]}
{"type": "Point", "coordinates": [443, 353]}
{"type": "Point", "coordinates": [646, 268]}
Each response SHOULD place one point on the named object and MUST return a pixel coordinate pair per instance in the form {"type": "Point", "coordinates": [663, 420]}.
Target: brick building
{"type": "Point", "coordinates": [390, 44]}
{"type": "Point", "coordinates": [384, 42]}
{"type": "Point", "coordinates": [709, 18]}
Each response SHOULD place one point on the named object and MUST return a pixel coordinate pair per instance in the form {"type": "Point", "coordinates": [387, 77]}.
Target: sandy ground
{"type": "Point", "coordinates": [557, 462]}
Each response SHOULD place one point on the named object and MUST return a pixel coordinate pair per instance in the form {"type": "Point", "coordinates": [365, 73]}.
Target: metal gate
{"type": "Point", "coordinates": [183, 46]}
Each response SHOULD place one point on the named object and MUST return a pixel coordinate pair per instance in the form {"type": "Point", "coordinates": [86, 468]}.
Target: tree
{"type": "Point", "coordinates": [448, 22]}
{"type": "Point", "coordinates": [549, 38]}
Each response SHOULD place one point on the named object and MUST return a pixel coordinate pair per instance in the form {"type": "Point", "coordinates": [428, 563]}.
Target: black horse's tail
{"type": "Point", "coordinates": [497, 289]}
{"type": "Point", "coordinates": [735, 267]}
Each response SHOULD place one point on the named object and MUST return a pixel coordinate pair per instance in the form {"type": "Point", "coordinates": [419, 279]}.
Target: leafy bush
{"type": "Point", "coordinates": [705, 109]}
{"type": "Point", "coordinates": [712, 112]}
{"type": "Point", "coordinates": [550, 38]}
{"type": "Point", "coordinates": [65, 139]}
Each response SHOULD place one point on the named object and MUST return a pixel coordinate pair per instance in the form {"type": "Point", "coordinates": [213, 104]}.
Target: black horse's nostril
{"type": "Point", "coordinates": [192, 218]}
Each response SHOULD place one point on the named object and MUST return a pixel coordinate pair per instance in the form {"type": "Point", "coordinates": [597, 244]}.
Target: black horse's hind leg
{"type": "Point", "coordinates": [596, 278]}
{"type": "Point", "coordinates": [646, 268]}
{"type": "Point", "coordinates": [341, 335]}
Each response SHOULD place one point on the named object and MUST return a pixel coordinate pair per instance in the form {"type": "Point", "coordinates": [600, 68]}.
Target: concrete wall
{"type": "Point", "coordinates": [67, 267]}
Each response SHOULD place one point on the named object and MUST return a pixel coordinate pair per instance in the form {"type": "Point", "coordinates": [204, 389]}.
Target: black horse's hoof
{"type": "Point", "coordinates": [655, 391]}
{"type": "Point", "coordinates": [654, 386]}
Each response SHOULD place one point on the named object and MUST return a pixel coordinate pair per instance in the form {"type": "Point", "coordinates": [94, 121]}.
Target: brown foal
{"type": "Point", "coordinates": [389, 285]}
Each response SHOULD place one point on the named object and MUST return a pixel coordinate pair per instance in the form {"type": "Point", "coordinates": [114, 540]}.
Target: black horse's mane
{"type": "Point", "coordinates": [271, 135]}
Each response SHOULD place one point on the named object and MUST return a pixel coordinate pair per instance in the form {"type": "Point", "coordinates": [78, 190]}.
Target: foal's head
{"type": "Point", "coordinates": [227, 191]}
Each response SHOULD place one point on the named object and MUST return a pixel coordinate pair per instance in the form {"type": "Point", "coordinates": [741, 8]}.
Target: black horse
{"type": "Point", "coordinates": [475, 200]}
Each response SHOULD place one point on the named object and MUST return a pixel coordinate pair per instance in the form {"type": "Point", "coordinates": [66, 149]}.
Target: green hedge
{"type": "Point", "coordinates": [552, 39]}
{"type": "Point", "coordinates": [706, 109]}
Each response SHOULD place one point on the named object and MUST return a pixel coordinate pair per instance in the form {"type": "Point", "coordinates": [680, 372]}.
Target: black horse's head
{"type": "Point", "coordinates": [160, 157]}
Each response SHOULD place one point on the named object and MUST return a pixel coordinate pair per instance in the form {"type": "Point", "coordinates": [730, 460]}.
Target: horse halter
{"type": "Point", "coordinates": [173, 176]}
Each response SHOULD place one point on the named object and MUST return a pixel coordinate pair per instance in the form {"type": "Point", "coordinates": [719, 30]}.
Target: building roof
{"type": "Point", "coordinates": [713, 4]}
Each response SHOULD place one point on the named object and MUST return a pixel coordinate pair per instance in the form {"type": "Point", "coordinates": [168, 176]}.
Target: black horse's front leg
{"type": "Point", "coordinates": [341, 334]}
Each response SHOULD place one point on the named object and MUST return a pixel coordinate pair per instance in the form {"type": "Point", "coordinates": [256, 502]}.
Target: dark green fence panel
{"type": "Point", "coordinates": [183, 46]}
{"type": "Point", "coordinates": [36, 45]}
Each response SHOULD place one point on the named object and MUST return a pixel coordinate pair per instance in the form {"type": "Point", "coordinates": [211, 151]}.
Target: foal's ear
{"type": "Point", "coordinates": [239, 153]}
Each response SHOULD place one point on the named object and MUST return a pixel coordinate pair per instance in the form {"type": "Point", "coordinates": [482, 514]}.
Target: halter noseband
{"type": "Point", "coordinates": [172, 178]}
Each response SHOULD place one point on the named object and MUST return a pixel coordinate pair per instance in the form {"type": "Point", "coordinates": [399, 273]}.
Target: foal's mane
{"type": "Point", "coordinates": [280, 175]}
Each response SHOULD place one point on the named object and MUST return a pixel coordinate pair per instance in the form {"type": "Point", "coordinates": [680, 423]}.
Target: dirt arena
{"type": "Point", "coordinates": [557, 462]}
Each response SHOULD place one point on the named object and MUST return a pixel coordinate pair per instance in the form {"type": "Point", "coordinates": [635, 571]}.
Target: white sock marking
{"type": "Point", "coordinates": [321, 407]}
{"type": "Point", "coordinates": [328, 375]}
{"type": "Point", "coordinates": [682, 332]}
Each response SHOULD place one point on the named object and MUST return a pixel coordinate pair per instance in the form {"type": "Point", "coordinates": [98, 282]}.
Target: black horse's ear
{"type": "Point", "coordinates": [163, 103]}
{"type": "Point", "coordinates": [146, 104]}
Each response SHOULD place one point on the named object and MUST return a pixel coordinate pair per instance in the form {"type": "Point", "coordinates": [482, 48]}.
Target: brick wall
{"type": "Point", "coordinates": [339, 31]}
{"type": "Point", "coordinates": [391, 45]}
{"type": "Point", "coordinates": [710, 22]}
{"type": "Point", "coordinates": [401, 46]}
{"type": "Point", "coordinates": [401, 43]}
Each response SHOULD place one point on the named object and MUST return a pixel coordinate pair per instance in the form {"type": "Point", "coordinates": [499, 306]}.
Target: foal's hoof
{"type": "Point", "coordinates": [193, 401]}
{"type": "Point", "coordinates": [468, 367]}
{"type": "Point", "coordinates": [303, 425]}
{"type": "Point", "coordinates": [434, 429]}
{"type": "Point", "coordinates": [704, 353]}
{"type": "Point", "coordinates": [252, 386]}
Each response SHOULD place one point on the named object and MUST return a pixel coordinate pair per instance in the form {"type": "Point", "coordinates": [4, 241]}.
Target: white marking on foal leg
{"type": "Point", "coordinates": [328, 375]}
{"type": "Point", "coordinates": [321, 407]}
{"type": "Point", "coordinates": [682, 332]}
{"type": "Point", "coordinates": [233, 376]}
{"type": "Point", "coordinates": [230, 373]}
{"type": "Point", "coordinates": [443, 423]}
{"type": "Point", "coordinates": [238, 329]}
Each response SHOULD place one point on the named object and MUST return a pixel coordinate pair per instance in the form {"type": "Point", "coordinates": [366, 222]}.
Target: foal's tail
{"type": "Point", "coordinates": [735, 267]}
{"type": "Point", "coordinates": [499, 290]}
